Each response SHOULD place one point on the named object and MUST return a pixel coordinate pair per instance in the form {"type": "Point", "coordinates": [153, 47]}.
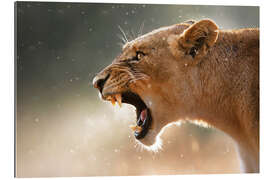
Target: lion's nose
{"type": "Point", "coordinates": [99, 81]}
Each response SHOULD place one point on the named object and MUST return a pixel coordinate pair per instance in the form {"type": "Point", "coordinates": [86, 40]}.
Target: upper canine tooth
{"type": "Point", "coordinates": [113, 101]}
{"type": "Point", "coordinates": [109, 97]}
{"type": "Point", "coordinates": [118, 98]}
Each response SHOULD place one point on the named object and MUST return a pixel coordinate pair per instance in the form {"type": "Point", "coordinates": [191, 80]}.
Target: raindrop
{"type": "Point", "coordinates": [116, 150]}
{"type": "Point", "coordinates": [36, 120]}
{"type": "Point", "coordinates": [143, 5]}
{"type": "Point", "coordinates": [82, 12]}
{"type": "Point", "coordinates": [227, 150]}
{"type": "Point", "coordinates": [139, 157]}
{"type": "Point", "coordinates": [181, 155]}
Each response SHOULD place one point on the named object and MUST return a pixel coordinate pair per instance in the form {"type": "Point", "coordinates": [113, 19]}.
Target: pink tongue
{"type": "Point", "coordinates": [143, 115]}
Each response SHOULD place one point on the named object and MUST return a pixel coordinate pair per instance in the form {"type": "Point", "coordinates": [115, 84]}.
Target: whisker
{"type": "Point", "coordinates": [121, 37]}
{"type": "Point", "coordinates": [141, 75]}
{"type": "Point", "coordinates": [141, 29]}
{"type": "Point", "coordinates": [133, 34]}
{"type": "Point", "coordinates": [129, 35]}
{"type": "Point", "coordinates": [137, 79]}
{"type": "Point", "coordinates": [122, 31]}
{"type": "Point", "coordinates": [112, 85]}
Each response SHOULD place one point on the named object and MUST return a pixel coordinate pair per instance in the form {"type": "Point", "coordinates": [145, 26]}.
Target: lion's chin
{"type": "Point", "coordinates": [151, 142]}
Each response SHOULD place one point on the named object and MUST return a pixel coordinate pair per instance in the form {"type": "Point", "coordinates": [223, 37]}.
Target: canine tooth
{"type": "Point", "coordinates": [138, 128]}
{"type": "Point", "coordinates": [113, 101]}
{"type": "Point", "coordinates": [118, 97]}
{"type": "Point", "coordinates": [109, 97]}
{"type": "Point", "coordinates": [135, 128]}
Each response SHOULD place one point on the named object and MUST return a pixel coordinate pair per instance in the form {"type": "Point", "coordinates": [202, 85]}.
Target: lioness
{"type": "Point", "coordinates": [190, 71]}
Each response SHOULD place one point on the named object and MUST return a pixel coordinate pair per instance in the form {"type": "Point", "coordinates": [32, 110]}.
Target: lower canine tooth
{"type": "Point", "coordinates": [132, 127]}
{"type": "Point", "coordinates": [135, 128]}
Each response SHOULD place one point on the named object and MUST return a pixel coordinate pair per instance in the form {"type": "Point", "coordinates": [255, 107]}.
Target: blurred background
{"type": "Point", "coordinates": [64, 129]}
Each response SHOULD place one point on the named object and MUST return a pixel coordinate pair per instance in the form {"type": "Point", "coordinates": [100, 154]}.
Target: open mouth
{"type": "Point", "coordinates": [144, 118]}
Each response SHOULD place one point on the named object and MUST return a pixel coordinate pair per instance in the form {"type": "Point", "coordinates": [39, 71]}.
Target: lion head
{"type": "Point", "coordinates": [152, 72]}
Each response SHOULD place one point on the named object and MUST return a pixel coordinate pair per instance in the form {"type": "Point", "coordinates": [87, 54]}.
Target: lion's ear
{"type": "Point", "coordinates": [195, 40]}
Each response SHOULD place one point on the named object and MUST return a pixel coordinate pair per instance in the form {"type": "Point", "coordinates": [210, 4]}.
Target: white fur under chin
{"type": "Point", "coordinates": [156, 147]}
{"type": "Point", "coordinates": [152, 135]}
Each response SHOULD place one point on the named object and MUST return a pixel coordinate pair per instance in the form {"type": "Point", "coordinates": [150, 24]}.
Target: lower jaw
{"type": "Point", "coordinates": [149, 139]}
{"type": "Point", "coordinates": [152, 138]}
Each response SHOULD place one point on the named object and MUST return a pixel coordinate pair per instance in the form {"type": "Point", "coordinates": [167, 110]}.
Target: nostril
{"type": "Point", "coordinates": [99, 82]}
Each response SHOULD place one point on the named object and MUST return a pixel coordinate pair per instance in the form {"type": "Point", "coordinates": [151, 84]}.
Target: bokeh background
{"type": "Point", "coordinates": [64, 129]}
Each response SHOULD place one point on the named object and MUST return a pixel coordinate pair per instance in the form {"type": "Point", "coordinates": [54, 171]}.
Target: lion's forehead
{"type": "Point", "coordinates": [155, 35]}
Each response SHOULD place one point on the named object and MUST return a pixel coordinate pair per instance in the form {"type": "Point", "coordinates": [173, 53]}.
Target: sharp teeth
{"type": "Point", "coordinates": [135, 128]}
{"type": "Point", "coordinates": [113, 101]}
{"type": "Point", "coordinates": [115, 98]}
{"type": "Point", "coordinates": [109, 97]}
{"type": "Point", "coordinates": [118, 97]}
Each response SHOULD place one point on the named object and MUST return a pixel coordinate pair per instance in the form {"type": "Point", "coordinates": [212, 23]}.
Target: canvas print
{"type": "Point", "coordinates": [136, 89]}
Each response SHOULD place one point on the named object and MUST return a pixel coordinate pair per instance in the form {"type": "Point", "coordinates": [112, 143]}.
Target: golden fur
{"type": "Point", "coordinates": [194, 71]}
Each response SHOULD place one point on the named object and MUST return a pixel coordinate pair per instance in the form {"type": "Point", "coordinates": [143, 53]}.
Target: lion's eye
{"type": "Point", "coordinates": [139, 55]}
